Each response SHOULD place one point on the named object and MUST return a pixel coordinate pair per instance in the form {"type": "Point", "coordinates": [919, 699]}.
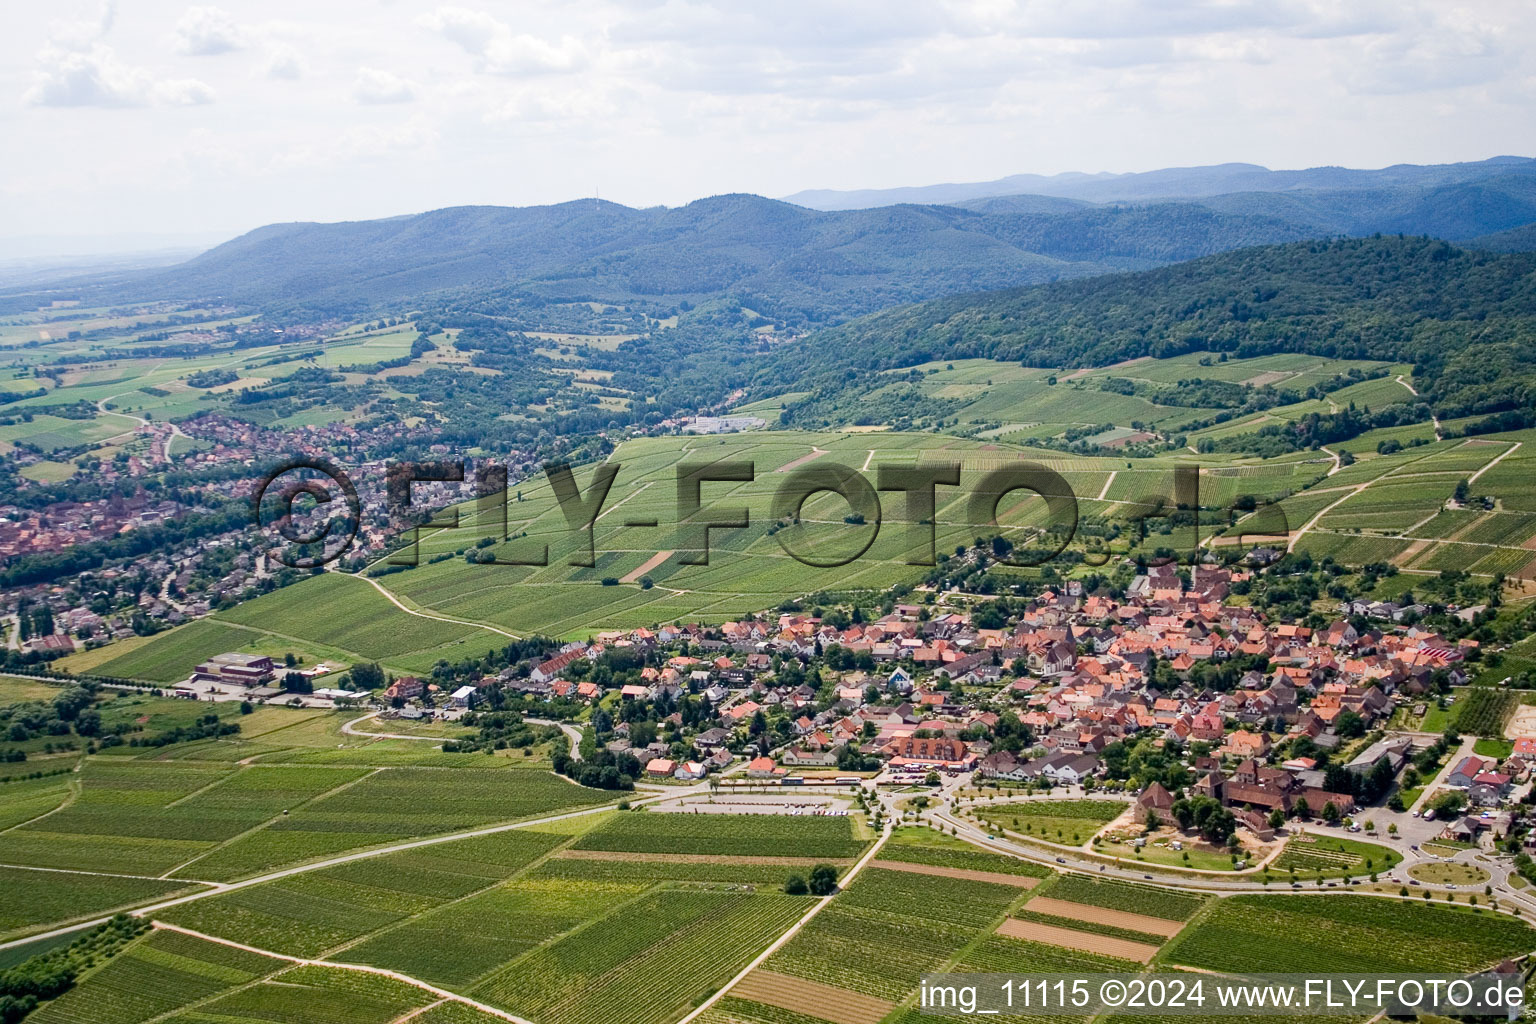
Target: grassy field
{"type": "Point", "coordinates": [1449, 874]}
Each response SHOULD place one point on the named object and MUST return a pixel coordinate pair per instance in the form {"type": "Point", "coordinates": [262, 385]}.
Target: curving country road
{"type": "Point", "coordinates": [350, 728]}
{"type": "Point", "coordinates": [1412, 831]}
{"type": "Point", "coordinates": [389, 595]}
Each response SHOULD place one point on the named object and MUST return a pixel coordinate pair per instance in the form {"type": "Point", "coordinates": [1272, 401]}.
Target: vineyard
{"type": "Point", "coordinates": [743, 835]}
{"type": "Point", "coordinates": [454, 1013]}
{"type": "Point", "coordinates": [619, 869]}
{"type": "Point", "coordinates": [1169, 904]}
{"type": "Point", "coordinates": [890, 927]}
{"type": "Point", "coordinates": [1091, 927]}
{"type": "Point", "coordinates": [34, 897]}
{"type": "Point", "coordinates": [740, 1011]}
{"type": "Point", "coordinates": [573, 926]}
{"type": "Point", "coordinates": [644, 963]}
{"type": "Point", "coordinates": [1331, 856]}
{"type": "Point", "coordinates": [1344, 933]}
{"type": "Point", "coordinates": [998, 954]}
{"type": "Point", "coordinates": [508, 921]}
{"type": "Point", "coordinates": [318, 995]}
{"type": "Point", "coordinates": [307, 914]}
{"type": "Point", "coordinates": [387, 806]}
{"type": "Point", "coordinates": [25, 799]}
{"type": "Point", "coordinates": [156, 975]}
{"type": "Point", "coordinates": [197, 819]}
{"type": "Point", "coordinates": [1483, 711]}
{"type": "Point", "coordinates": [1060, 821]}
{"type": "Point", "coordinates": [963, 902]}
{"type": "Point", "coordinates": [918, 846]}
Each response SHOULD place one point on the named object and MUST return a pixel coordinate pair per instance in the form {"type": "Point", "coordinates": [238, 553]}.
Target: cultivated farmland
{"type": "Point", "coordinates": [1061, 821]}
{"type": "Point", "coordinates": [747, 835]}
{"type": "Point", "coordinates": [158, 974]}
{"type": "Point", "coordinates": [1152, 901]}
{"type": "Point", "coordinates": [1345, 933]}
{"type": "Point", "coordinates": [644, 963]}
{"type": "Point", "coordinates": [307, 914]}
{"type": "Point", "coordinates": [1333, 856]}
{"type": "Point", "coordinates": [29, 898]}
{"type": "Point", "coordinates": [392, 804]}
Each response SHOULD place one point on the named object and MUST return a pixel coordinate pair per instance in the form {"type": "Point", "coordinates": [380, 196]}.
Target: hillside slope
{"type": "Point", "coordinates": [1466, 319]}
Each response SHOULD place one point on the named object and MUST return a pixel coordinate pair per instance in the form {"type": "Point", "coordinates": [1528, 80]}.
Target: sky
{"type": "Point", "coordinates": [142, 122]}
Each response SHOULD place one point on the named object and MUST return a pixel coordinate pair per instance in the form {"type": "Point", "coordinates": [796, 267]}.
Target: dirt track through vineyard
{"type": "Point", "coordinates": [812, 998]}
{"type": "Point", "coordinates": [649, 564]}
{"type": "Point", "coordinates": [1085, 941]}
{"type": "Point", "coordinates": [1103, 915]}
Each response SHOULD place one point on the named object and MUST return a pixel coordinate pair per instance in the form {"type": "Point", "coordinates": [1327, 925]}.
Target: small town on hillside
{"type": "Point", "coordinates": [1206, 728]}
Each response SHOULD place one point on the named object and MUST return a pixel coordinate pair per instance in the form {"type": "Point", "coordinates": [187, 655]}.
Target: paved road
{"type": "Point", "coordinates": [571, 732]}
{"type": "Point", "coordinates": [1412, 832]}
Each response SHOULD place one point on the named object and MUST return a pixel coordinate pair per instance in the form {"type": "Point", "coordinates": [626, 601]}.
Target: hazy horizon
{"type": "Point", "coordinates": [176, 119]}
{"type": "Point", "coordinates": [43, 249]}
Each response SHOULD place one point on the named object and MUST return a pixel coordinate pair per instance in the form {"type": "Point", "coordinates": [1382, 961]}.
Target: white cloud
{"type": "Point", "coordinates": [1451, 51]}
{"type": "Point", "coordinates": [207, 32]}
{"type": "Point", "coordinates": [181, 92]}
{"type": "Point", "coordinates": [666, 100]}
{"type": "Point", "coordinates": [80, 33]}
{"type": "Point", "coordinates": [374, 85]}
{"type": "Point", "coordinates": [96, 78]}
{"type": "Point", "coordinates": [285, 62]}
{"type": "Point", "coordinates": [500, 51]}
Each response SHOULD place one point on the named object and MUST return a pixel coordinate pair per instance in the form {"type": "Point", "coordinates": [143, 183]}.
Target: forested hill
{"type": "Point", "coordinates": [790, 262]}
{"type": "Point", "coordinates": [1465, 318]}
{"type": "Point", "coordinates": [799, 266]}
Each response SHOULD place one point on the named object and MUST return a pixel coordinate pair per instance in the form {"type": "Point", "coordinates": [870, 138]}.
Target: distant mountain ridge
{"type": "Point", "coordinates": [1167, 183]}
{"type": "Point", "coordinates": [814, 267]}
